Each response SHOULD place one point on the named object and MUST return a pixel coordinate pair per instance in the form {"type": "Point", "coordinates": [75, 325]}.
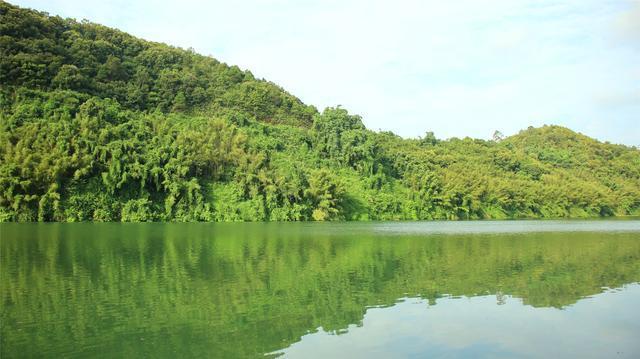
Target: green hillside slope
{"type": "Point", "coordinates": [98, 125]}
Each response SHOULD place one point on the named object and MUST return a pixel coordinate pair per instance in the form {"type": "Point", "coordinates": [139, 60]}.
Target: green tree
{"type": "Point", "coordinates": [326, 195]}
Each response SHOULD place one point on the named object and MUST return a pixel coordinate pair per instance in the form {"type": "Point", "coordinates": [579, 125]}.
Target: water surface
{"type": "Point", "coordinates": [436, 289]}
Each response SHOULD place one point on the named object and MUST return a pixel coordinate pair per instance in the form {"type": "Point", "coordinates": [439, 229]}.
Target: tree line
{"type": "Point", "coordinates": [97, 125]}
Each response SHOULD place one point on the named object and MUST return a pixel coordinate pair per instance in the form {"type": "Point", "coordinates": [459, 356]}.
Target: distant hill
{"type": "Point", "coordinates": [98, 125]}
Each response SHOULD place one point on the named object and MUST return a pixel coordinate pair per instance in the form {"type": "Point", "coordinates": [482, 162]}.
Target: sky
{"type": "Point", "coordinates": [458, 68]}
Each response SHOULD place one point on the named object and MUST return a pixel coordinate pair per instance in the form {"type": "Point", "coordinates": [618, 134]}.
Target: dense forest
{"type": "Point", "coordinates": [97, 125]}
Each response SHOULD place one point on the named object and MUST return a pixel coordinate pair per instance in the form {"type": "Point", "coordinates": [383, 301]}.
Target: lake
{"type": "Point", "coordinates": [321, 290]}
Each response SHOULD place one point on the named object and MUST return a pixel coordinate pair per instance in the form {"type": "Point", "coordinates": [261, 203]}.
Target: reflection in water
{"type": "Point", "coordinates": [238, 290]}
{"type": "Point", "coordinates": [604, 326]}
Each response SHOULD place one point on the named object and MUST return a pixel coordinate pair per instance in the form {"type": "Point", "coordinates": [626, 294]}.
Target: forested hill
{"type": "Point", "coordinates": [99, 125]}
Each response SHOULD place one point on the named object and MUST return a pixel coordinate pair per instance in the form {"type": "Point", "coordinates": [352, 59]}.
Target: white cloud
{"type": "Point", "coordinates": [628, 23]}
{"type": "Point", "coordinates": [458, 68]}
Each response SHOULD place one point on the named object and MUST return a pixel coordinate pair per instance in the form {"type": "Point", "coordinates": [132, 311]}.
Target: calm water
{"type": "Point", "coordinates": [439, 289]}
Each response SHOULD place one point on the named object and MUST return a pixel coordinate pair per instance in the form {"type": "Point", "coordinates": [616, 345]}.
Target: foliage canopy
{"type": "Point", "coordinates": [96, 125]}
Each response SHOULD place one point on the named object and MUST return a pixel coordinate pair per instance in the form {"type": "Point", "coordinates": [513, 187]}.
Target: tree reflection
{"type": "Point", "coordinates": [248, 289]}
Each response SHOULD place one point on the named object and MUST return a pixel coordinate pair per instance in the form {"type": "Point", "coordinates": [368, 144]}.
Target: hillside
{"type": "Point", "coordinates": [98, 125]}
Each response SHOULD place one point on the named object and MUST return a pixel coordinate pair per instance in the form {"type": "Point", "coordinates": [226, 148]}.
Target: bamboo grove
{"type": "Point", "coordinates": [96, 125]}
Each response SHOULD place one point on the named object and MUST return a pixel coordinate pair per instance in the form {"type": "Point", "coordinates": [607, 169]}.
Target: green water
{"type": "Point", "coordinates": [439, 289]}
